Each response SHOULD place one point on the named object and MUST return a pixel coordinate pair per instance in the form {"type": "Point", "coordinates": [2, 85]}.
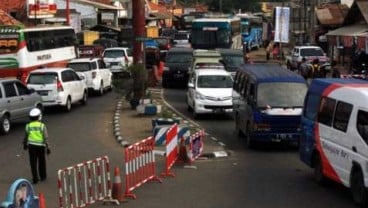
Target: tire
{"type": "Point", "coordinates": [194, 113]}
{"type": "Point", "coordinates": [288, 65]}
{"type": "Point", "coordinates": [357, 188]}
{"type": "Point", "coordinates": [189, 109]}
{"type": "Point", "coordinates": [4, 125]}
{"type": "Point", "coordinates": [249, 143]}
{"type": "Point", "coordinates": [318, 170]}
{"type": "Point", "coordinates": [68, 105]}
{"type": "Point", "coordinates": [238, 132]}
{"type": "Point", "coordinates": [165, 83]}
{"type": "Point", "coordinates": [85, 98]}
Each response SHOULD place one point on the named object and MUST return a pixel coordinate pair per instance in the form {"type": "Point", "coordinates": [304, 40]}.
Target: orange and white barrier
{"type": "Point", "coordinates": [172, 153]}
{"type": "Point", "coordinates": [85, 183]}
{"type": "Point", "coordinates": [140, 165]}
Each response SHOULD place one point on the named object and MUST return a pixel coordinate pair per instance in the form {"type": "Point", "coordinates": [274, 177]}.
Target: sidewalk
{"type": "Point", "coordinates": [131, 127]}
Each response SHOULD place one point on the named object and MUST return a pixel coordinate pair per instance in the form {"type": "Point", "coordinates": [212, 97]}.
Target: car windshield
{"type": "Point", "coordinates": [214, 81]}
{"type": "Point", "coordinates": [80, 67]}
{"type": "Point", "coordinates": [209, 66]}
{"type": "Point", "coordinates": [179, 58]}
{"type": "Point", "coordinates": [181, 36]}
{"type": "Point", "coordinates": [311, 52]}
{"type": "Point", "coordinates": [233, 60]}
{"type": "Point", "coordinates": [281, 94]}
{"type": "Point", "coordinates": [116, 53]}
{"type": "Point", "coordinates": [42, 78]}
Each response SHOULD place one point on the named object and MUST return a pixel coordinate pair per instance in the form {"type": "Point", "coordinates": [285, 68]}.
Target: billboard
{"type": "Point", "coordinates": [282, 22]}
{"type": "Point", "coordinates": [39, 9]}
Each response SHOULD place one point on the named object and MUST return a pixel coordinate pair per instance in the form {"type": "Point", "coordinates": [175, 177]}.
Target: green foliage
{"type": "Point", "coordinates": [139, 76]}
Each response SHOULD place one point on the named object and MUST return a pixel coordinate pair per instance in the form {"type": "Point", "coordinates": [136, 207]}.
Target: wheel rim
{"type": "Point", "coordinates": [101, 89]}
{"type": "Point", "coordinates": [85, 98]}
{"type": "Point", "coordinates": [68, 104]}
{"type": "Point", "coordinates": [6, 124]}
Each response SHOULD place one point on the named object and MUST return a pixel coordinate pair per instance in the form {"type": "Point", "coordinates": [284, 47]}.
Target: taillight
{"type": "Point", "coordinates": [94, 75]}
{"type": "Point", "coordinates": [59, 86]}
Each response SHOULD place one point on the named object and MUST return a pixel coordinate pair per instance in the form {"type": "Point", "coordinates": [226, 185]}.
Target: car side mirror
{"type": "Point", "coordinates": [31, 91]}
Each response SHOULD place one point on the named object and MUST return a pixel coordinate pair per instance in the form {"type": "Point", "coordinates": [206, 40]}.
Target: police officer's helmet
{"type": "Point", "coordinates": [35, 114]}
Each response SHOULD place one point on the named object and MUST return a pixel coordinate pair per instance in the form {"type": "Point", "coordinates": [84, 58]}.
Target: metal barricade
{"type": "Point", "coordinates": [140, 165]}
{"type": "Point", "coordinates": [85, 183]}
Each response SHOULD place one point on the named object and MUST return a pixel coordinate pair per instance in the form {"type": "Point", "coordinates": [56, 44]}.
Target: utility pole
{"type": "Point", "coordinates": [67, 12]}
{"type": "Point", "coordinates": [312, 22]}
{"type": "Point", "coordinates": [139, 21]}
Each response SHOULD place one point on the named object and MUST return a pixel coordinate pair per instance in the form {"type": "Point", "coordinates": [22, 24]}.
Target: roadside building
{"type": "Point", "coordinates": [351, 37]}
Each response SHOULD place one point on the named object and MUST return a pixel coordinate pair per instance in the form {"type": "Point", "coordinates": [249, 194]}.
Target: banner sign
{"type": "Point", "coordinates": [39, 9]}
{"type": "Point", "coordinates": [21, 194]}
{"type": "Point", "coordinates": [196, 145]}
{"type": "Point", "coordinates": [282, 18]}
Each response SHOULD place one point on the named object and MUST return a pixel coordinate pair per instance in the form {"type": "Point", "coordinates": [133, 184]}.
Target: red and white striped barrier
{"type": "Point", "coordinates": [140, 165]}
{"type": "Point", "coordinates": [172, 152]}
{"type": "Point", "coordinates": [85, 183]}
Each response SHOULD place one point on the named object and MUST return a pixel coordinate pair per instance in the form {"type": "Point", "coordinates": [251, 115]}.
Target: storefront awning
{"type": "Point", "coordinates": [351, 30]}
{"type": "Point", "coordinates": [161, 15]}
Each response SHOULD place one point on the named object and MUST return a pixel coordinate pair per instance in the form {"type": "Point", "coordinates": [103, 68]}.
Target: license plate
{"type": "Point", "coordinates": [178, 75]}
{"type": "Point", "coordinates": [280, 137]}
{"type": "Point", "coordinates": [218, 110]}
{"type": "Point", "coordinates": [42, 92]}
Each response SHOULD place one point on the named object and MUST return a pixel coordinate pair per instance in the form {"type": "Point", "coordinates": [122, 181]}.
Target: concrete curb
{"type": "Point", "coordinates": [123, 142]}
{"type": "Point", "coordinates": [116, 125]}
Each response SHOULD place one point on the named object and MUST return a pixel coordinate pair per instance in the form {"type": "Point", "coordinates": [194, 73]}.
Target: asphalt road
{"type": "Point", "coordinates": [271, 177]}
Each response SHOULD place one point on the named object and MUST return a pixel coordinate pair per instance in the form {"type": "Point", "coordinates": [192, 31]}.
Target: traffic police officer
{"type": "Point", "coordinates": [35, 141]}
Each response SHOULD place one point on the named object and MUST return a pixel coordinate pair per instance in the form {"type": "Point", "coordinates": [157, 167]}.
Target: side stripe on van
{"type": "Point", "coordinates": [328, 170]}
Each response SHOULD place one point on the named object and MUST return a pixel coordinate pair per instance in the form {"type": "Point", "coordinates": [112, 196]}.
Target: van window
{"type": "Point", "coordinates": [326, 111]}
{"type": "Point", "coordinates": [362, 124]}
{"type": "Point", "coordinates": [342, 115]}
{"type": "Point", "coordinates": [280, 94]}
{"type": "Point", "coordinates": [311, 106]}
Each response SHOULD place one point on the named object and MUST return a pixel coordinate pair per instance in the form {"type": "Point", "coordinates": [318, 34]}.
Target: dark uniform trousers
{"type": "Point", "coordinates": [37, 159]}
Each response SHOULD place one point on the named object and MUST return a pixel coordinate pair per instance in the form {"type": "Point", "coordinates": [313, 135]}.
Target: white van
{"type": "Point", "coordinates": [334, 137]}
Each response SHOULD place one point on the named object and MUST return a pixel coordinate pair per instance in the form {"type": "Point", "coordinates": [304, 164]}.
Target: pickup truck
{"type": "Point", "coordinates": [98, 77]}
{"type": "Point", "coordinates": [309, 53]}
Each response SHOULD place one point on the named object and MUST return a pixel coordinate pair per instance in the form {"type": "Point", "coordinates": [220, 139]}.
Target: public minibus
{"type": "Point", "coordinates": [335, 133]}
{"type": "Point", "coordinates": [267, 103]}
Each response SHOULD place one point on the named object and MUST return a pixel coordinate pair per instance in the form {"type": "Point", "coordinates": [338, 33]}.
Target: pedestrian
{"type": "Point", "coordinates": [269, 49]}
{"type": "Point", "coordinates": [36, 142]}
{"type": "Point", "coordinates": [335, 70]}
{"type": "Point", "coordinates": [275, 51]}
{"type": "Point", "coordinates": [316, 70]}
{"type": "Point", "coordinates": [304, 68]}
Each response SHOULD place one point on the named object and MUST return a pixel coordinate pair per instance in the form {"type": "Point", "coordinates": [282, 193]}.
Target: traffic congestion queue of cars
{"type": "Point", "coordinates": [59, 86]}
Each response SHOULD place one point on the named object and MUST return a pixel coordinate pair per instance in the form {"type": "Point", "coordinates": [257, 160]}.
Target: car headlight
{"type": "Point", "coordinates": [199, 96]}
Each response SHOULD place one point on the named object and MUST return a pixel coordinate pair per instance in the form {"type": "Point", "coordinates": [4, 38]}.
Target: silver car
{"type": "Point", "coordinates": [16, 100]}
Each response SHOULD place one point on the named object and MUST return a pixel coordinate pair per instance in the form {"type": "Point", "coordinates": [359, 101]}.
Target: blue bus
{"type": "Point", "coordinates": [268, 103]}
{"type": "Point", "coordinates": [251, 28]}
{"type": "Point", "coordinates": [211, 33]}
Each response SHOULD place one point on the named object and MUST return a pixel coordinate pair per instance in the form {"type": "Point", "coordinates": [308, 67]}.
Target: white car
{"type": "Point", "coordinates": [58, 86]}
{"type": "Point", "coordinates": [98, 77]}
{"type": "Point", "coordinates": [117, 56]}
{"type": "Point", "coordinates": [210, 91]}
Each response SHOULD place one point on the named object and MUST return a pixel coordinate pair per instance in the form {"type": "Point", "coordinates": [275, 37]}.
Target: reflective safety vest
{"type": "Point", "coordinates": [35, 133]}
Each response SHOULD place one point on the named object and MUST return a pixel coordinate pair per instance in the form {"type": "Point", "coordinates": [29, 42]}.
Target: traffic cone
{"type": "Point", "coordinates": [117, 187]}
{"type": "Point", "coordinates": [41, 200]}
